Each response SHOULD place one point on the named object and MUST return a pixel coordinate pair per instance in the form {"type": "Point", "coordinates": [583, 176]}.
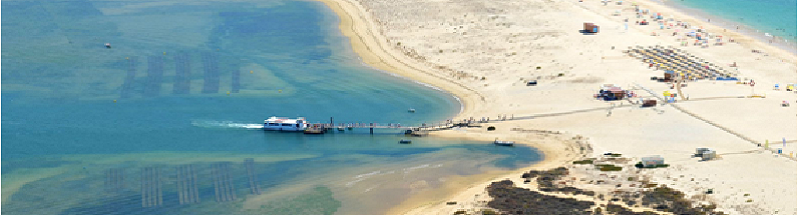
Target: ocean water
{"type": "Point", "coordinates": [776, 17]}
{"type": "Point", "coordinates": [92, 130]}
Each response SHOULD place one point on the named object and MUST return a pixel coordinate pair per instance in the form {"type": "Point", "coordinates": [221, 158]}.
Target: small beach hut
{"type": "Point", "coordinates": [652, 161]}
{"type": "Point", "coordinates": [589, 27]}
{"type": "Point", "coordinates": [649, 103]}
{"type": "Point", "coordinates": [709, 155]}
{"type": "Point", "coordinates": [668, 75]}
{"type": "Point", "coordinates": [699, 151]}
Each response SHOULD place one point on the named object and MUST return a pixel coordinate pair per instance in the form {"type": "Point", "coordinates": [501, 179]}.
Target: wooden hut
{"type": "Point", "coordinates": [589, 27]}
{"type": "Point", "coordinates": [668, 75]}
{"type": "Point", "coordinates": [649, 103]}
{"type": "Point", "coordinates": [699, 151]}
{"type": "Point", "coordinates": [709, 155]}
{"type": "Point", "coordinates": [652, 161]}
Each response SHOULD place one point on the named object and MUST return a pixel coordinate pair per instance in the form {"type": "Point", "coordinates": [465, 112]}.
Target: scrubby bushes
{"type": "Point", "coordinates": [587, 161]}
{"type": "Point", "coordinates": [608, 167]}
{"type": "Point", "coordinates": [546, 181]}
{"type": "Point", "coordinates": [671, 200]}
{"type": "Point", "coordinates": [515, 200]}
{"type": "Point", "coordinates": [619, 210]}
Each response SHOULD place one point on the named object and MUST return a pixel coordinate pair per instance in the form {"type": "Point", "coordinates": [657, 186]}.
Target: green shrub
{"type": "Point", "coordinates": [608, 167]}
{"type": "Point", "coordinates": [583, 162]}
{"type": "Point", "coordinates": [488, 212]}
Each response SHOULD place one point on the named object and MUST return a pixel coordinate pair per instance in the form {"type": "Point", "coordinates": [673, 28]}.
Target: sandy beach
{"type": "Point", "coordinates": [484, 52]}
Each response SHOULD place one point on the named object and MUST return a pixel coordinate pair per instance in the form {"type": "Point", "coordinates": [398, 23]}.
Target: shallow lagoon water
{"type": "Point", "coordinates": [188, 83]}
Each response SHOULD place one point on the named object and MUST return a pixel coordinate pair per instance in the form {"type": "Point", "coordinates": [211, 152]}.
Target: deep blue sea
{"type": "Point", "coordinates": [776, 17]}
{"type": "Point", "coordinates": [93, 130]}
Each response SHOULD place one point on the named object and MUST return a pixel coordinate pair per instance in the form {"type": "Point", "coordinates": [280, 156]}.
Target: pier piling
{"type": "Point", "coordinates": [180, 182]}
{"type": "Point", "coordinates": [155, 72]}
{"type": "Point", "coordinates": [211, 73]}
{"type": "Point", "coordinates": [215, 176]}
{"type": "Point", "coordinates": [223, 185]}
{"type": "Point", "coordinates": [114, 180]}
{"type": "Point", "coordinates": [151, 187]}
{"type": "Point", "coordinates": [187, 184]}
{"type": "Point", "coordinates": [183, 74]}
{"type": "Point", "coordinates": [127, 86]}
{"type": "Point", "coordinates": [251, 176]}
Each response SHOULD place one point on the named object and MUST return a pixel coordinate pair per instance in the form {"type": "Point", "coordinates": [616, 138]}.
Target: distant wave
{"type": "Point", "coordinates": [225, 124]}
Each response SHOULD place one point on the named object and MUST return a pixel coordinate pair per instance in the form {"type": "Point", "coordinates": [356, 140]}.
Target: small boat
{"type": "Point", "coordinates": [285, 124]}
{"type": "Point", "coordinates": [314, 130]}
{"type": "Point", "coordinates": [404, 141]}
{"type": "Point", "coordinates": [411, 110]}
{"type": "Point", "coordinates": [503, 143]}
{"type": "Point", "coordinates": [341, 128]}
{"type": "Point", "coordinates": [108, 45]}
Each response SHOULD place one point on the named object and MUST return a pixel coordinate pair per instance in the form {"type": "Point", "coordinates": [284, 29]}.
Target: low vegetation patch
{"type": "Point", "coordinates": [619, 210]}
{"type": "Point", "coordinates": [640, 165]}
{"type": "Point", "coordinates": [670, 200]}
{"type": "Point", "coordinates": [608, 167]}
{"type": "Point", "coordinates": [514, 200]}
{"type": "Point", "coordinates": [546, 181]}
{"type": "Point", "coordinates": [587, 161]}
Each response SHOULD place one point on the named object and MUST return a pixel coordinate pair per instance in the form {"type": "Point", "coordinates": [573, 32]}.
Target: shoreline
{"type": "Point", "coordinates": [353, 29]}
{"type": "Point", "coordinates": [724, 23]}
{"type": "Point", "coordinates": [357, 24]}
{"type": "Point", "coordinates": [366, 44]}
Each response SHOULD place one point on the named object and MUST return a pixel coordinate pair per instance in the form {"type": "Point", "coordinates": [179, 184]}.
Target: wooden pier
{"type": "Point", "coordinates": [321, 128]}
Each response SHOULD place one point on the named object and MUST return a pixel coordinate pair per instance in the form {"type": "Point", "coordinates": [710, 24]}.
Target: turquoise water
{"type": "Point", "coordinates": [188, 84]}
{"type": "Point", "coordinates": [777, 17]}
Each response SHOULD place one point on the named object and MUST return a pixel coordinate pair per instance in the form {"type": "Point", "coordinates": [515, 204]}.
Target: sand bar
{"type": "Point", "coordinates": [484, 52]}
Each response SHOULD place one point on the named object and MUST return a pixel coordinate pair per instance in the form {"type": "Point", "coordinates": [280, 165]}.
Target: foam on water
{"type": "Point", "coordinates": [225, 124]}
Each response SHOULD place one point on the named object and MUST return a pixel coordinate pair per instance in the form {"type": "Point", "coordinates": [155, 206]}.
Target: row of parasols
{"type": "Point", "coordinates": [678, 61]}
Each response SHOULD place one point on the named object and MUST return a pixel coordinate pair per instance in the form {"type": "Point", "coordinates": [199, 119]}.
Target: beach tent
{"type": "Point", "coordinates": [589, 27]}
{"type": "Point", "coordinates": [652, 161]}
{"type": "Point", "coordinates": [668, 75]}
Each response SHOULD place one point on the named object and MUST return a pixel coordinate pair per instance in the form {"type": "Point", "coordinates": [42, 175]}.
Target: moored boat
{"type": "Point", "coordinates": [285, 124]}
{"type": "Point", "coordinates": [404, 141]}
{"type": "Point", "coordinates": [503, 143]}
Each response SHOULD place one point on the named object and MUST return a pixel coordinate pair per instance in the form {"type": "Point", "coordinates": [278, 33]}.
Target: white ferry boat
{"type": "Point", "coordinates": [285, 124]}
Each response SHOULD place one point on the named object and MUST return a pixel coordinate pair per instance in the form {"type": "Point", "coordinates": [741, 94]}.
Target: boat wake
{"type": "Point", "coordinates": [225, 124]}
